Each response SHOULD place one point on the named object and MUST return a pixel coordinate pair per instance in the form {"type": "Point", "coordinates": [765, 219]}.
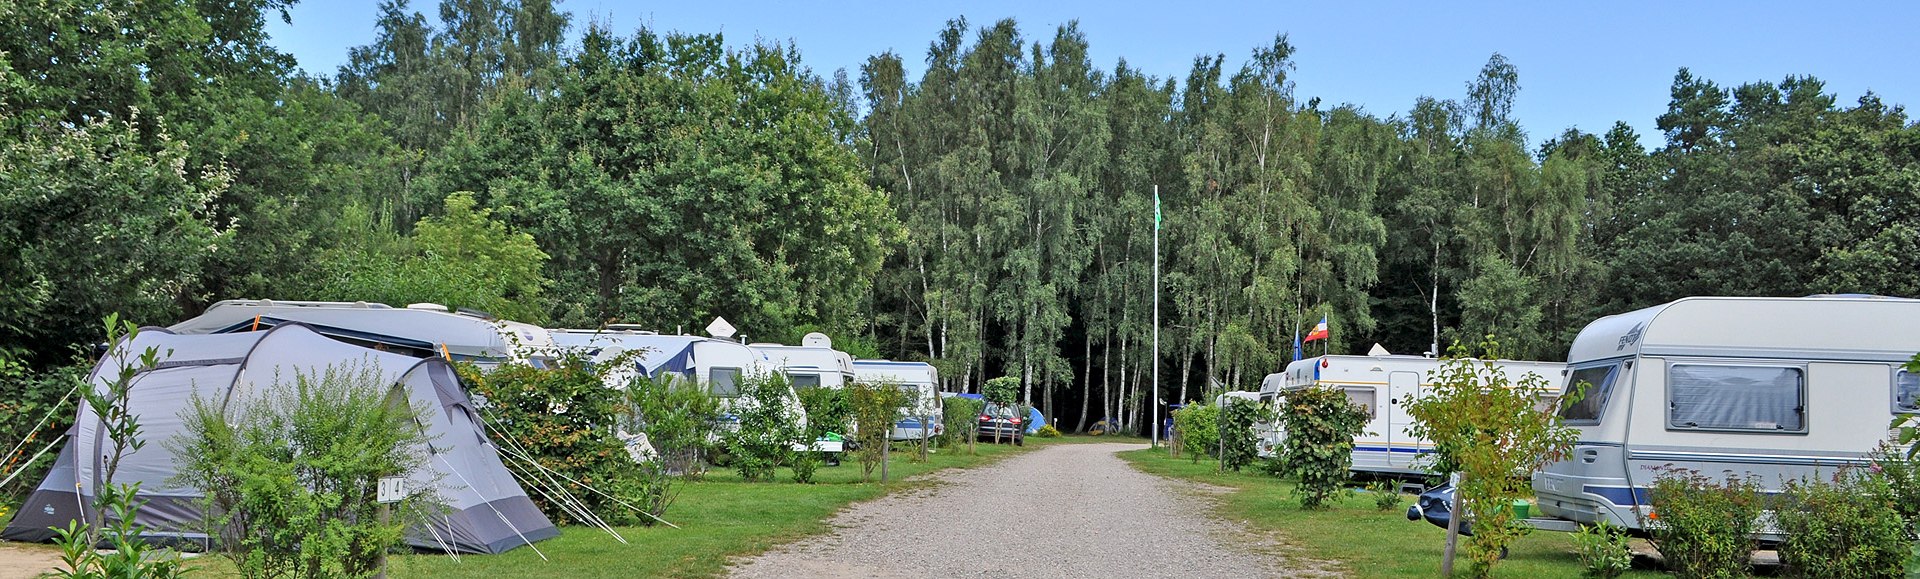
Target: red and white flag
{"type": "Point", "coordinates": [1319, 331]}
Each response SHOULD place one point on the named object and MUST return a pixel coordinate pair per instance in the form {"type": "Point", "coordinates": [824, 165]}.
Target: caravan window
{"type": "Point", "coordinates": [1906, 392]}
{"type": "Point", "coordinates": [1599, 380]}
{"type": "Point", "coordinates": [1364, 398]}
{"type": "Point", "coordinates": [1769, 399]}
{"type": "Point", "coordinates": [724, 382]}
{"type": "Point", "coordinates": [804, 381]}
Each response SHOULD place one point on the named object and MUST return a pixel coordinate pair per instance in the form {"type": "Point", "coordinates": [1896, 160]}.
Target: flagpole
{"type": "Point", "coordinates": [1154, 396]}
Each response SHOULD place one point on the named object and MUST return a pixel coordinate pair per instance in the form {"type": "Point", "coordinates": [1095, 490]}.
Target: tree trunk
{"type": "Point", "coordinates": [1086, 385]}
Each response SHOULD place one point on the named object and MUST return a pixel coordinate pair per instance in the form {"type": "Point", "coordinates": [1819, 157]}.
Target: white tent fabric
{"type": "Point", "coordinates": [489, 512]}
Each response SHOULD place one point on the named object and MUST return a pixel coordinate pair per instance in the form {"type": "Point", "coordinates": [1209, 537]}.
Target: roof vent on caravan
{"type": "Point", "coordinates": [432, 307]}
{"type": "Point", "coordinates": [631, 329]}
{"type": "Point", "coordinates": [816, 340]}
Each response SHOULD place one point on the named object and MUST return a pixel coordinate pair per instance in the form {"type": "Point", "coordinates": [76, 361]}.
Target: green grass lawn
{"type": "Point", "coordinates": [1364, 541]}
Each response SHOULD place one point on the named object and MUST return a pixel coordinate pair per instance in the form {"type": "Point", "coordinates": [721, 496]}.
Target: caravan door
{"type": "Point", "coordinates": [1402, 388]}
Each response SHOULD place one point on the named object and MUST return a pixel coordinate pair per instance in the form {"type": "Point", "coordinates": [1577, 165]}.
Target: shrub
{"type": "Point", "coordinates": [1849, 527]}
{"type": "Point", "coordinates": [566, 419]}
{"type": "Point", "coordinates": [1199, 428]}
{"type": "Point", "coordinates": [34, 413]}
{"type": "Point", "coordinates": [767, 432]}
{"type": "Point", "coordinates": [290, 477]}
{"type": "Point", "coordinates": [1704, 528]}
{"type": "Point", "coordinates": [1240, 444]}
{"type": "Point", "coordinates": [1320, 424]}
{"type": "Point", "coordinates": [827, 411]}
{"type": "Point", "coordinates": [1603, 550]}
{"type": "Point", "coordinates": [1047, 431]}
{"type": "Point", "coordinates": [1385, 497]}
{"type": "Point", "coordinates": [876, 407]}
{"type": "Point", "coordinates": [1492, 431]}
{"type": "Point", "coordinates": [962, 417]}
{"type": "Point", "coordinates": [678, 418]}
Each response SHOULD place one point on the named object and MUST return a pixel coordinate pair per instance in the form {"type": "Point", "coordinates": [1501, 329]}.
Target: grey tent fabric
{"type": "Point", "coordinates": [489, 512]}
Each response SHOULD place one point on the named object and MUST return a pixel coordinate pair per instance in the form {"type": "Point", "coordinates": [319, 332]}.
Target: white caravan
{"type": "Point", "coordinates": [812, 364]}
{"type": "Point", "coordinates": [1773, 388]}
{"type": "Point", "coordinates": [920, 381]}
{"type": "Point", "coordinates": [418, 330]}
{"type": "Point", "coordinates": [1383, 385]}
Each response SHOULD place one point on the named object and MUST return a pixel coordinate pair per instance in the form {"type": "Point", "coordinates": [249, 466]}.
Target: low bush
{"type": "Point", "coordinates": [827, 411]}
{"type": "Point", "coordinates": [1320, 424]}
{"type": "Point", "coordinates": [962, 417]}
{"type": "Point", "coordinates": [1703, 527]}
{"type": "Point", "coordinates": [1198, 426]}
{"type": "Point", "coordinates": [1048, 431]}
{"type": "Point", "coordinates": [566, 419]}
{"type": "Point", "coordinates": [678, 419]}
{"type": "Point", "coordinates": [765, 437]}
{"type": "Point", "coordinates": [1603, 550]}
{"type": "Point", "coordinates": [290, 477]}
{"type": "Point", "coordinates": [1239, 443]}
{"type": "Point", "coordinates": [1846, 527]}
{"type": "Point", "coordinates": [1385, 496]}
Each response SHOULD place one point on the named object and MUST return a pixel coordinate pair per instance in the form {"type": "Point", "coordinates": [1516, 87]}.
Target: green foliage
{"type": "Point", "coordinates": [114, 506]}
{"type": "Point", "coordinates": [678, 418]}
{"type": "Point", "coordinates": [1197, 427]}
{"type": "Point", "coordinates": [962, 418]}
{"type": "Point", "coordinates": [767, 431]}
{"type": "Point", "coordinates": [1047, 431]}
{"type": "Point", "coordinates": [289, 474]}
{"type": "Point", "coordinates": [565, 418]}
{"type": "Point", "coordinates": [1385, 496]}
{"type": "Point", "coordinates": [462, 259]}
{"type": "Point", "coordinates": [1901, 473]}
{"type": "Point", "coordinates": [1603, 549]}
{"type": "Point", "coordinates": [1240, 444]}
{"type": "Point", "coordinates": [1493, 432]}
{"type": "Point", "coordinates": [1320, 424]}
{"type": "Point", "coordinates": [875, 409]}
{"type": "Point", "coordinates": [1703, 527]}
{"type": "Point", "coordinates": [827, 411]}
{"type": "Point", "coordinates": [1847, 527]}
{"type": "Point", "coordinates": [1003, 391]}
{"type": "Point", "coordinates": [39, 396]}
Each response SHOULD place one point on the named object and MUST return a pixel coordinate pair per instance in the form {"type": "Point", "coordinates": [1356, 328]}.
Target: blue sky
{"type": "Point", "coordinates": [1581, 64]}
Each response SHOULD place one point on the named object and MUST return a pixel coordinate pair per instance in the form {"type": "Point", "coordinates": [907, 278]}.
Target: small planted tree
{"type": "Point", "coordinates": [1320, 424]}
{"type": "Point", "coordinates": [1002, 392]}
{"type": "Point", "coordinates": [875, 408]}
{"type": "Point", "coordinates": [290, 473]}
{"type": "Point", "coordinates": [1492, 431]}
{"type": "Point", "coordinates": [677, 417]}
{"type": "Point", "coordinates": [962, 416]}
{"type": "Point", "coordinates": [1199, 428]}
{"type": "Point", "coordinates": [1239, 445]}
{"type": "Point", "coordinates": [768, 430]}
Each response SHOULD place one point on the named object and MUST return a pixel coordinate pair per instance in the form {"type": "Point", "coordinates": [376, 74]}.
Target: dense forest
{"type": "Point", "coordinates": [994, 216]}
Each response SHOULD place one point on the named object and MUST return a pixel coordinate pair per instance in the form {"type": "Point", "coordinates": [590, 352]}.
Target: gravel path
{"type": "Point", "coordinates": [1091, 516]}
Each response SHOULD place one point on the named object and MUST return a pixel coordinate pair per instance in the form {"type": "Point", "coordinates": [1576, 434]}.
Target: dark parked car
{"type": "Point", "coordinates": [1003, 422]}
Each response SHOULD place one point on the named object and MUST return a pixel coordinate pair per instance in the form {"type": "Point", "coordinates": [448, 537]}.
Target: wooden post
{"type": "Point", "coordinates": [1454, 514]}
{"type": "Point", "coordinates": [386, 512]}
{"type": "Point", "coordinates": [886, 443]}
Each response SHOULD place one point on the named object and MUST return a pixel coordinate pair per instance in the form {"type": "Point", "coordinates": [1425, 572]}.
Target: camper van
{"type": "Point", "coordinates": [418, 330]}
{"type": "Point", "coordinates": [1773, 388]}
{"type": "Point", "coordinates": [920, 381]}
{"type": "Point", "coordinates": [1383, 385]}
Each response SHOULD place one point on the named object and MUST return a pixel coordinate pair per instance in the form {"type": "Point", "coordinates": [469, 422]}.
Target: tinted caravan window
{"type": "Point", "coordinates": [1767, 399]}
{"type": "Point", "coordinates": [805, 381]}
{"type": "Point", "coordinates": [1593, 399]}
{"type": "Point", "coordinates": [1364, 398]}
{"type": "Point", "coordinates": [1906, 392]}
{"type": "Point", "coordinates": [724, 382]}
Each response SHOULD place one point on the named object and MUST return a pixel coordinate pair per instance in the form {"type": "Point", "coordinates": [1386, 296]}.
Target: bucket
{"type": "Point", "coordinates": [1522, 509]}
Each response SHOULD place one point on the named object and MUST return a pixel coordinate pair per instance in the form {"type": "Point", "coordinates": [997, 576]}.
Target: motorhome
{"type": "Point", "coordinates": [1384, 385]}
{"type": "Point", "coordinates": [920, 381]}
{"type": "Point", "coordinates": [418, 330]}
{"type": "Point", "coordinates": [1777, 389]}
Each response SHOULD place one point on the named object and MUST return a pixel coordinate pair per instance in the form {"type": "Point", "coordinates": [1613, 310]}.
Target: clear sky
{"type": "Point", "coordinates": [1581, 64]}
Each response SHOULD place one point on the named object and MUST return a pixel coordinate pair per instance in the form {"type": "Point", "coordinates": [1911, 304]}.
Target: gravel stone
{"type": "Point", "coordinates": [1068, 510]}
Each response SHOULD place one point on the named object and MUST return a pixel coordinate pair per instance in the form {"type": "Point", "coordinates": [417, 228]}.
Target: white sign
{"type": "Point", "coordinates": [720, 328]}
{"type": "Point", "coordinates": [392, 489]}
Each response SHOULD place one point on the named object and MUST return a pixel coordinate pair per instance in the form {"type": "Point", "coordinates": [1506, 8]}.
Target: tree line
{"type": "Point", "coordinates": [994, 215]}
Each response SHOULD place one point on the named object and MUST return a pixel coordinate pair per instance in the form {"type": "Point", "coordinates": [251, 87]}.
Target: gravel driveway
{"type": "Point", "coordinates": [1068, 510]}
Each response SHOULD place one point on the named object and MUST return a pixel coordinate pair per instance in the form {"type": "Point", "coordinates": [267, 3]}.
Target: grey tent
{"type": "Point", "coordinates": [488, 511]}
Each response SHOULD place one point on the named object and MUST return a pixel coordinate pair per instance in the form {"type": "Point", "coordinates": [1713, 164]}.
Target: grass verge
{"type": "Point", "coordinates": [1362, 540]}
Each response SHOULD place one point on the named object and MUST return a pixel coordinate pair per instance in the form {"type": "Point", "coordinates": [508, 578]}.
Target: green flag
{"type": "Point", "coordinates": [1156, 208]}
